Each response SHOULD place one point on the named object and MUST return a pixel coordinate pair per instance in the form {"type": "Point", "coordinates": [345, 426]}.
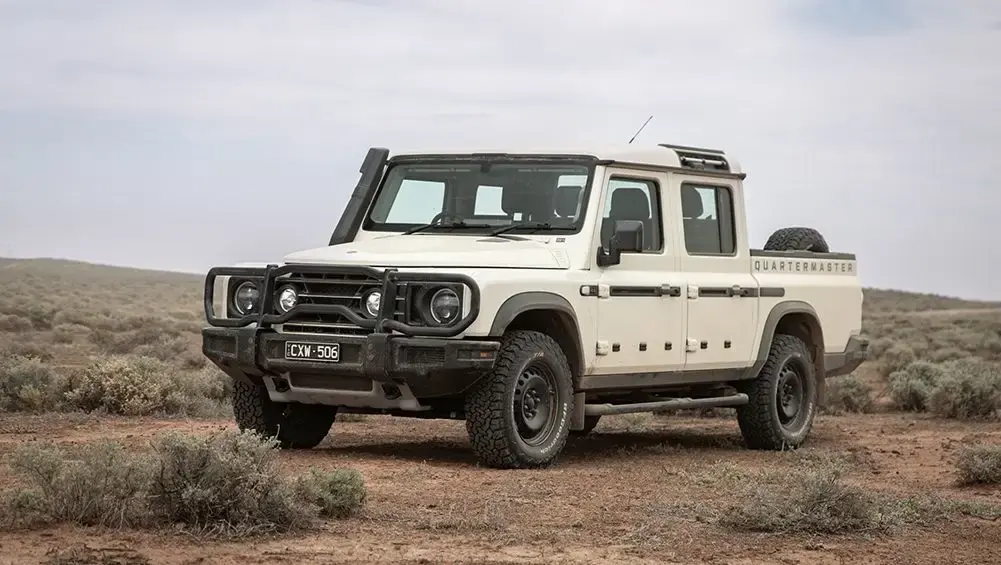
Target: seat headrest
{"type": "Point", "coordinates": [691, 202]}
{"type": "Point", "coordinates": [630, 204]}
{"type": "Point", "coordinates": [566, 199]}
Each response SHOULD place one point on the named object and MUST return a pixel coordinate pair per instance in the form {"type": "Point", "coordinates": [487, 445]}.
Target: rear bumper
{"type": "Point", "coordinates": [428, 367]}
{"type": "Point", "coordinates": [855, 353]}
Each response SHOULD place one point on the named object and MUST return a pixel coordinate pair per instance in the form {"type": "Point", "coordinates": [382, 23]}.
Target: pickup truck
{"type": "Point", "coordinates": [531, 292]}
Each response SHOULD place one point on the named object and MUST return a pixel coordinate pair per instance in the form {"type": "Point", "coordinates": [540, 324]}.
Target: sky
{"type": "Point", "coordinates": [182, 134]}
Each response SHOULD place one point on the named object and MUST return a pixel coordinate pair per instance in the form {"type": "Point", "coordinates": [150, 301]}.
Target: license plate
{"type": "Point", "coordinates": [329, 352]}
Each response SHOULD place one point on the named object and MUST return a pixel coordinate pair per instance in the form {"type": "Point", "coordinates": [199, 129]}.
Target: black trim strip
{"type": "Point", "coordinates": [802, 255]}
{"type": "Point", "coordinates": [633, 291]}
{"type": "Point", "coordinates": [771, 292]}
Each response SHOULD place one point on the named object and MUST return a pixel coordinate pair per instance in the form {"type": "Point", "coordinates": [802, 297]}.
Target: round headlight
{"type": "Point", "coordinates": [287, 299]}
{"type": "Point", "coordinates": [373, 301]}
{"type": "Point", "coordinates": [246, 297]}
{"type": "Point", "coordinates": [445, 306]}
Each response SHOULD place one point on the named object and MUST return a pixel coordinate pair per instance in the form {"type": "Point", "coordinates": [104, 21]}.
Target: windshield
{"type": "Point", "coordinates": [482, 196]}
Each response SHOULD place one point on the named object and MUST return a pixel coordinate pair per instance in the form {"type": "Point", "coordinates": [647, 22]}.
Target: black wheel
{"type": "Point", "coordinates": [294, 425]}
{"type": "Point", "coordinates": [518, 416]}
{"type": "Point", "coordinates": [797, 239]}
{"type": "Point", "coordinates": [590, 422]}
{"type": "Point", "coordinates": [783, 398]}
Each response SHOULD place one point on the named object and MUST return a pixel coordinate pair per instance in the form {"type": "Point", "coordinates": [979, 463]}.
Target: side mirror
{"type": "Point", "coordinates": [627, 237]}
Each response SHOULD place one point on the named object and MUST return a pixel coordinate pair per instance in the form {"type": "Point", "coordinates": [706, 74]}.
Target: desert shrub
{"type": "Point", "coordinates": [337, 494]}
{"type": "Point", "coordinates": [27, 383]}
{"type": "Point", "coordinates": [912, 386]}
{"type": "Point", "coordinates": [948, 354]}
{"type": "Point", "coordinates": [980, 464]}
{"type": "Point", "coordinates": [68, 333]}
{"type": "Point", "coordinates": [29, 349]}
{"type": "Point", "coordinates": [815, 501]}
{"type": "Point", "coordinates": [224, 482]}
{"type": "Point", "coordinates": [970, 388]}
{"type": "Point", "coordinates": [847, 394]}
{"type": "Point", "coordinates": [228, 483]}
{"type": "Point", "coordinates": [15, 323]}
{"type": "Point", "coordinates": [102, 485]}
{"type": "Point", "coordinates": [40, 316]}
{"type": "Point", "coordinates": [134, 386]}
{"type": "Point", "coordinates": [897, 357]}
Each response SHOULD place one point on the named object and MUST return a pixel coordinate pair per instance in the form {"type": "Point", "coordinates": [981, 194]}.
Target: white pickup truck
{"type": "Point", "coordinates": [530, 292]}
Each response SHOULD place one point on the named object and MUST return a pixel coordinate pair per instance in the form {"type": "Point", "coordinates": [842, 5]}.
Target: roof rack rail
{"type": "Point", "coordinates": [691, 148]}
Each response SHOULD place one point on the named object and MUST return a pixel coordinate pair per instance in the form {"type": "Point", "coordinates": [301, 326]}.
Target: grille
{"type": "Point", "coordinates": [333, 288]}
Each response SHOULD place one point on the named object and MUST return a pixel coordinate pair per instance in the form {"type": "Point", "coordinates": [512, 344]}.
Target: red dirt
{"type": "Point", "coordinates": [627, 494]}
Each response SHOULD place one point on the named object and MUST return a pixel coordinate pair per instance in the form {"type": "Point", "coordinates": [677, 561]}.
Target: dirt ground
{"type": "Point", "coordinates": [633, 492]}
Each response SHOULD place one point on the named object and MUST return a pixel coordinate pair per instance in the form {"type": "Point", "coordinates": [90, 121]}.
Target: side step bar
{"type": "Point", "coordinates": [675, 403]}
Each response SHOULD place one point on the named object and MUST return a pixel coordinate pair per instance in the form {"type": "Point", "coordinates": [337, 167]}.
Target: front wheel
{"type": "Point", "coordinates": [783, 398]}
{"type": "Point", "coordinates": [518, 415]}
{"type": "Point", "coordinates": [294, 425]}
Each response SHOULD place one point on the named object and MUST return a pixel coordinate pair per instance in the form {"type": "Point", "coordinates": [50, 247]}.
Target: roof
{"type": "Point", "coordinates": [660, 155]}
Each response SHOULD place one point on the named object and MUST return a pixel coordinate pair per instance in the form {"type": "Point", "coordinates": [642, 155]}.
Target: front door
{"type": "Point", "coordinates": [721, 293]}
{"type": "Point", "coordinates": [640, 301]}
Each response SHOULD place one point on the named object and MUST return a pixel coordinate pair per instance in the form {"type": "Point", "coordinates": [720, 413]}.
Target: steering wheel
{"type": "Point", "coordinates": [442, 216]}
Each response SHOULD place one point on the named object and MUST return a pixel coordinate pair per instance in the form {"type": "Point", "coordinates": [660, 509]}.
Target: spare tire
{"type": "Point", "coordinates": [797, 239]}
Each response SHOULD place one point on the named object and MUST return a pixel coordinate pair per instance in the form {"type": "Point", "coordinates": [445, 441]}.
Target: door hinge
{"type": "Point", "coordinates": [692, 345]}
{"type": "Point", "coordinates": [693, 292]}
{"type": "Point", "coordinates": [602, 348]}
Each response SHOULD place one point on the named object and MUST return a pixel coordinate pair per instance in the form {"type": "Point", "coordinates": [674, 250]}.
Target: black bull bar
{"type": "Point", "coordinates": [382, 323]}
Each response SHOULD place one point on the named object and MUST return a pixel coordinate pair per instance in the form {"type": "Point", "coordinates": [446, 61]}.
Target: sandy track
{"type": "Point", "coordinates": [624, 495]}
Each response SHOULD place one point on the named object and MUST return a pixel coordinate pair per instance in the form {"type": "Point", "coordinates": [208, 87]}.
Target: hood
{"type": "Point", "coordinates": [429, 251]}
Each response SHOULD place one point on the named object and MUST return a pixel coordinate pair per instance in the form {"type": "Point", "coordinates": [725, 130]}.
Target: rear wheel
{"type": "Point", "coordinates": [294, 425]}
{"type": "Point", "coordinates": [783, 398]}
{"type": "Point", "coordinates": [518, 416]}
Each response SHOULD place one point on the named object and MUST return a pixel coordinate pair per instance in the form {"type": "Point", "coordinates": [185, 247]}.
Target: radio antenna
{"type": "Point", "coordinates": [641, 128]}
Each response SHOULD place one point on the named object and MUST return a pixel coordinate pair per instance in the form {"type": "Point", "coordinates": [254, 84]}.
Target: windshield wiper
{"type": "Point", "coordinates": [519, 225]}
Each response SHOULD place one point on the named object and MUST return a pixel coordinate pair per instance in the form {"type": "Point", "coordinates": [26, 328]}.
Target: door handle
{"type": "Point", "coordinates": [736, 290]}
{"type": "Point", "coordinates": [669, 290]}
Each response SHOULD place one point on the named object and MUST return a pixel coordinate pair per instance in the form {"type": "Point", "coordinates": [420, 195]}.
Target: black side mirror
{"type": "Point", "coordinates": [627, 237]}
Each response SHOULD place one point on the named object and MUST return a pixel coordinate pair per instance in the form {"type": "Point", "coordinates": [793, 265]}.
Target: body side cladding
{"type": "Point", "coordinates": [539, 300]}
{"type": "Point", "coordinates": [634, 291]}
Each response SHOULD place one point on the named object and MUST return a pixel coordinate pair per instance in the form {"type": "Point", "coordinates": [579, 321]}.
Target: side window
{"type": "Point", "coordinates": [634, 199]}
{"type": "Point", "coordinates": [488, 201]}
{"type": "Point", "coordinates": [416, 202]}
{"type": "Point", "coordinates": [708, 216]}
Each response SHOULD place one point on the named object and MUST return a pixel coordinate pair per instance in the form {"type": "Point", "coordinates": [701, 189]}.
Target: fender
{"type": "Point", "coordinates": [538, 300]}
{"type": "Point", "coordinates": [768, 333]}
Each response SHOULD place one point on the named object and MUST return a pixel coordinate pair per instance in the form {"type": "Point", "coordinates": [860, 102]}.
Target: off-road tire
{"type": "Point", "coordinates": [294, 425]}
{"type": "Point", "coordinates": [760, 421]}
{"type": "Point", "coordinates": [590, 422]}
{"type": "Point", "coordinates": [797, 239]}
{"type": "Point", "coordinates": [527, 361]}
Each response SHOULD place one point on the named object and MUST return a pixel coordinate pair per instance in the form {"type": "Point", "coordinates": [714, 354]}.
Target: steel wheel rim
{"type": "Point", "coordinates": [535, 403]}
{"type": "Point", "coordinates": [790, 394]}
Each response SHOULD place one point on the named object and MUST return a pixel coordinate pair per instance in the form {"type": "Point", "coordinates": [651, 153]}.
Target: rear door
{"type": "Point", "coordinates": [721, 293]}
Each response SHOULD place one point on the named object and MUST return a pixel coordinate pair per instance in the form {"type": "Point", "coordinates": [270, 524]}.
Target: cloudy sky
{"type": "Point", "coordinates": [179, 134]}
